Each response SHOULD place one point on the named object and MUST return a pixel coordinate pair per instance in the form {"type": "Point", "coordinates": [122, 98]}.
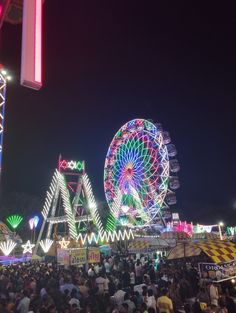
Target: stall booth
{"type": "Point", "coordinates": [216, 259]}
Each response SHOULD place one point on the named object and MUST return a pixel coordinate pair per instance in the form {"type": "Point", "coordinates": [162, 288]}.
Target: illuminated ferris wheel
{"type": "Point", "coordinates": [140, 174]}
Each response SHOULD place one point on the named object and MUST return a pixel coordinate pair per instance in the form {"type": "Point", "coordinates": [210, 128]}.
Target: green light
{"type": "Point", "coordinates": [111, 223]}
{"type": "Point", "coordinates": [14, 220]}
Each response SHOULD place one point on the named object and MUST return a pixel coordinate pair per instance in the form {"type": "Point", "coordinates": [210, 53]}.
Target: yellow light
{"type": "Point", "coordinates": [232, 281]}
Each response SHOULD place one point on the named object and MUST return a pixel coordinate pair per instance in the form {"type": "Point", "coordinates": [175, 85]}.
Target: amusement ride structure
{"type": "Point", "coordinates": [140, 174]}
{"type": "Point", "coordinates": [70, 206]}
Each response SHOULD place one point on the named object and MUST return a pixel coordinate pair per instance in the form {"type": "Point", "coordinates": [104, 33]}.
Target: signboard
{"type": "Point", "coordinates": [63, 256]}
{"type": "Point", "coordinates": [78, 256]}
{"type": "Point", "coordinates": [218, 272]}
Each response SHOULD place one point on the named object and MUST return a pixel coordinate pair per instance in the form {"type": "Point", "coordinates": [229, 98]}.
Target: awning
{"type": "Point", "coordinates": [138, 246]}
{"type": "Point", "coordinates": [175, 235]}
{"type": "Point", "coordinates": [183, 250]}
{"type": "Point", "coordinates": [219, 251]}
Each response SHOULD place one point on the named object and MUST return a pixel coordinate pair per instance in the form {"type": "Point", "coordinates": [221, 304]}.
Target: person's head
{"type": "Point", "coordinates": [126, 296]}
{"type": "Point", "coordinates": [143, 307]}
{"type": "Point", "coordinates": [164, 291]}
{"type": "Point", "coordinates": [52, 308]}
{"type": "Point", "coordinates": [25, 293]}
{"type": "Point", "coordinates": [197, 307]}
{"type": "Point", "coordinates": [150, 292]}
{"type": "Point", "coordinates": [151, 310]}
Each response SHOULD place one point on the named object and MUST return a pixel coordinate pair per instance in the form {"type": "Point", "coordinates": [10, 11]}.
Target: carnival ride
{"type": "Point", "coordinates": [69, 206]}
{"type": "Point", "coordinates": [140, 174]}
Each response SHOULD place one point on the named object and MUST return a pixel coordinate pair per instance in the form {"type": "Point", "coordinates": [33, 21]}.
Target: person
{"type": "Point", "coordinates": [119, 296]}
{"type": "Point", "coordinates": [131, 305]}
{"type": "Point", "coordinates": [100, 281]}
{"type": "Point", "coordinates": [203, 296]}
{"type": "Point", "coordinates": [196, 307]}
{"type": "Point", "coordinates": [151, 301]}
{"type": "Point", "coordinates": [23, 306]}
{"type": "Point", "coordinates": [164, 303]}
{"type": "Point", "coordinates": [214, 294]}
{"type": "Point", "coordinates": [222, 306]}
{"type": "Point", "coordinates": [138, 272]}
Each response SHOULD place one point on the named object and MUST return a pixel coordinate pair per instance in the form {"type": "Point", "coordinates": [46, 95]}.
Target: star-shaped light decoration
{"type": "Point", "coordinates": [27, 247]}
{"type": "Point", "coordinates": [64, 243]}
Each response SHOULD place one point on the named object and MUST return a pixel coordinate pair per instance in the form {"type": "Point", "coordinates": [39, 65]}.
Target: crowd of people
{"type": "Point", "coordinates": [116, 285]}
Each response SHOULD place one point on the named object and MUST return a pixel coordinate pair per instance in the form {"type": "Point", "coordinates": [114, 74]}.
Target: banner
{"type": "Point", "coordinates": [78, 256]}
{"type": "Point", "coordinates": [218, 272]}
{"type": "Point", "coordinates": [63, 257]}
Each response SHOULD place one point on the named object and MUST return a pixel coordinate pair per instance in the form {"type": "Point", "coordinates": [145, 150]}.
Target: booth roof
{"type": "Point", "coordinates": [218, 251]}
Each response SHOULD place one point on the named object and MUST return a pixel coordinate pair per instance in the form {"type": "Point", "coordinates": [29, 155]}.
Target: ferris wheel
{"type": "Point", "coordinates": [140, 174]}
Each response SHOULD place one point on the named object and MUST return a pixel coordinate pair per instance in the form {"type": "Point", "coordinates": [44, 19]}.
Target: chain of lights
{"type": "Point", "coordinates": [67, 206]}
{"type": "Point", "coordinates": [106, 236]}
{"type": "Point", "coordinates": [14, 220]}
{"type": "Point", "coordinates": [50, 195]}
{"type": "Point", "coordinates": [91, 203]}
{"type": "Point", "coordinates": [71, 165]}
{"type": "Point", "coordinates": [7, 247]}
{"type": "Point", "coordinates": [27, 247]}
{"type": "Point", "coordinates": [46, 244]}
{"type": "Point", "coordinates": [137, 170]}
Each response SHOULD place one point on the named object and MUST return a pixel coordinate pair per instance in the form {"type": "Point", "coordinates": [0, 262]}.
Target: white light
{"type": "Point", "coordinates": [27, 247]}
{"type": "Point", "coordinates": [64, 243]}
{"type": "Point", "coordinates": [125, 208]}
{"type": "Point", "coordinates": [9, 77]}
{"type": "Point", "coordinates": [232, 281]}
{"type": "Point", "coordinates": [4, 72]}
{"type": "Point", "coordinates": [221, 224]}
{"type": "Point", "coordinates": [7, 247]}
{"type": "Point", "coordinates": [46, 244]}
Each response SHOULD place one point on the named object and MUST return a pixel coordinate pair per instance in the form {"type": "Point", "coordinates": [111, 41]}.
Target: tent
{"type": "Point", "coordinates": [219, 251]}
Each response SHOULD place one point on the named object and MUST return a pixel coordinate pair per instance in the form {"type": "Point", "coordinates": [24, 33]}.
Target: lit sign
{"type": "Point", "coordinates": [31, 59]}
{"type": "Point", "coordinates": [71, 165]}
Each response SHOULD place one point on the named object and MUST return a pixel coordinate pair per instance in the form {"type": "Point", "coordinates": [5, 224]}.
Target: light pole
{"type": "Point", "coordinates": [221, 224]}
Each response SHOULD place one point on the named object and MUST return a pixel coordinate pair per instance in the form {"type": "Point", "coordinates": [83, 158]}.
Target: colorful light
{"type": "Point", "coordinates": [7, 247]}
{"type": "Point", "coordinates": [36, 221]}
{"type": "Point", "coordinates": [31, 61]}
{"type": "Point", "coordinates": [3, 85]}
{"type": "Point", "coordinates": [136, 172]}
{"type": "Point", "coordinates": [71, 165]}
{"type": "Point", "coordinates": [64, 243]}
{"type": "Point", "coordinates": [31, 223]}
{"type": "Point", "coordinates": [46, 244]}
{"type": "Point", "coordinates": [91, 203]}
{"type": "Point", "coordinates": [14, 220]}
{"type": "Point", "coordinates": [27, 248]}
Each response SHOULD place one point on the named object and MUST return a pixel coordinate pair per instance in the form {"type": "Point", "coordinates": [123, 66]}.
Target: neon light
{"type": "Point", "coordinates": [38, 42]}
{"type": "Point", "coordinates": [14, 220]}
{"type": "Point", "coordinates": [31, 223]}
{"type": "Point", "coordinates": [3, 86]}
{"type": "Point", "coordinates": [27, 247]}
{"type": "Point", "coordinates": [64, 243]}
{"type": "Point", "coordinates": [31, 55]}
{"type": "Point", "coordinates": [71, 165]}
{"type": "Point", "coordinates": [7, 247]}
{"type": "Point", "coordinates": [36, 221]}
{"type": "Point", "coordinates": [46, 244]}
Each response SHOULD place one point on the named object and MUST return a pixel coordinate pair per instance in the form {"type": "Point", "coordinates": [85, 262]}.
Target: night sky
{"type": "Point", "coordinates": [106, 62]}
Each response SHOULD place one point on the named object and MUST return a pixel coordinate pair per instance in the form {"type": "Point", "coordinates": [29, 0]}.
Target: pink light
{"type": "Point", "coordinates": [0, 10]}
{"type": "Point", "coordinates": [38, 42]}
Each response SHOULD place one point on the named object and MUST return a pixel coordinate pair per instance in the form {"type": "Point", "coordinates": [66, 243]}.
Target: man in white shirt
{"type": "Point", "coordinates": [100, 281]}
{"type": "Point", "coordinates": [119, 296]}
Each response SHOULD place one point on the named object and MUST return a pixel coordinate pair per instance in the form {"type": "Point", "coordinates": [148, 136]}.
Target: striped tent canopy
{"type": "Point", "coordinates": [219, 251]}
{"type": "Point", "coordinates": [183, 250]}
{"type": "Point", "coordinates": [138, 246]}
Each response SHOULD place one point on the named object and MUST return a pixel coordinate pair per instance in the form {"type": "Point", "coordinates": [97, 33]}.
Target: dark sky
{"type": "Point", "coordinates": [106, 62]}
